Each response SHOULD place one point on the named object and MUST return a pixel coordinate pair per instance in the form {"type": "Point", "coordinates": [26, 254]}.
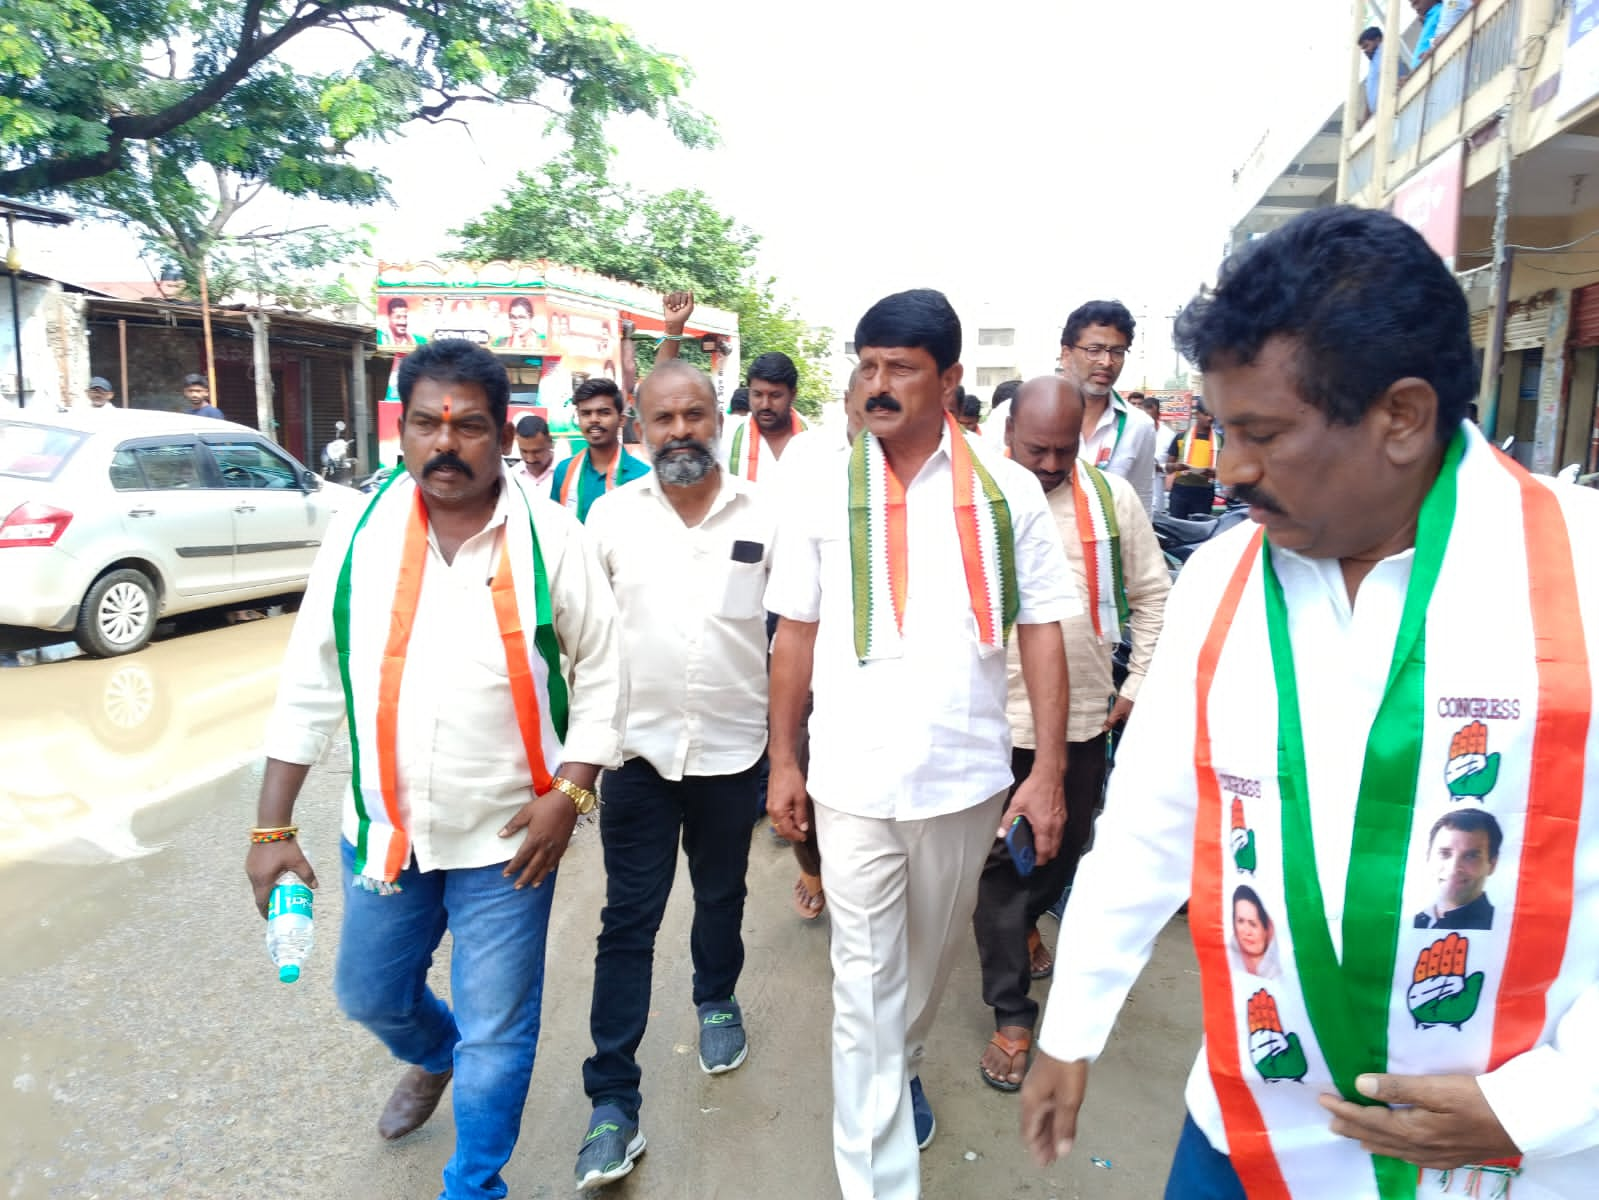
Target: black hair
{"type": "Point", "coordinates": [776, 367]}
{"type": "Point", "coordinates": [398, 302]}
{"type": "Point", "coordinates": [920, 319]}
{"type": "Point", "coordinates": [970, 406]}
{"type": "Point", "coordinates": [1470, 820]}
{"type": "Point", "coordinates": [1098, 312]}
{"type": "Point", "coordinates": [523, 301]}
{"type": "Point", "coordinates": [1363, 295]}
{"type": "Point", "coordinates": [1136, 397]}
{"type": "Point", "coordinates": [1007, 391]}
{"type": "Point", "coordinates": [531, 426]}
{"type": "Point", "coordinates": [1369, 34]}
{"type": "Point", "coordinates": [456, 360]}
{"type": "Point", "coordinates": [740, 402]}
{"type": "Point", "coordinates": [598, 386]}
{"type": "Point", "coordinates": [196, 381]}
{"type": "Point", "coordinates": [1245, 892]}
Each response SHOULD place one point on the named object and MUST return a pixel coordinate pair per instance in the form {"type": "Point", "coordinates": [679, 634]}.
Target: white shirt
{"type": "Point", "coordinates": [693, 625]}
{"type": "Point", "coordinates": [1139, 871]}
{"type": "Point", "coordinates": [459, 751]}
{"type": "Point", "coordinates": [770, 464]}
{"type": "Point", "coordinates": [925, 733]}
{"type": "Point", "coordinates": [1132, 456]}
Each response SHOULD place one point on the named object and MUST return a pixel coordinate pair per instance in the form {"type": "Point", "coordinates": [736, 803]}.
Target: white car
{"type": "Point", "coordinates": [112, 518]}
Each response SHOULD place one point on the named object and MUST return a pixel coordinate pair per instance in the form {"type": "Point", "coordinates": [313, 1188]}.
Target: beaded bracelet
{"type": "Point", "coordinates": [260, 837]}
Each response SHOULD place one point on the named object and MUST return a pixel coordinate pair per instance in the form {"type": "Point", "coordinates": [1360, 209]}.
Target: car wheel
{"type": "Point", "coordinates": [118, 615]}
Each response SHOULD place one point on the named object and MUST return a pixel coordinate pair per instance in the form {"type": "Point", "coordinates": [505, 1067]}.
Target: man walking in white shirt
{"type": "Point", "coordinates": [1323, 698]}
{"type": "Point", "coordinates": [686, 550]}
{"type": "Point", "coordinates": [756, 443]}
{"type": "Point", "coordinates": [1117, 436]}
{"type": "Point", "coordinates": [1121, 579]}
{"type": "Point", "coordinates": [900, 570]}
{"type": "Point", "coordinates": [471, 638]}
{"type": "Point", "coordinates": [537, 450]}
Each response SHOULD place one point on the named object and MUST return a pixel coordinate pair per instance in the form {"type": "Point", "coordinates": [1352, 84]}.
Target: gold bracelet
{"type": "Point", "coordinates": [583, 799]}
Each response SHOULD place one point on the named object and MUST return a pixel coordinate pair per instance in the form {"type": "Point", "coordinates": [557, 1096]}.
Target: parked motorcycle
{"type": "Point", "coordinates": [338, 464]}
{"type": "Point", "coordinates": [1180, 537]}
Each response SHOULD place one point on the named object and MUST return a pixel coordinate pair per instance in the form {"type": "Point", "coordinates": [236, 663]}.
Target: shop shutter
{"type": "Point", "coordinates": [1585, 316]}
{"type": "Point", "coordinates": [329, 379]}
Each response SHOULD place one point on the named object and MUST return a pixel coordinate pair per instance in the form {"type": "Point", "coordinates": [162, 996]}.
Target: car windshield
{"type": "Point", "coordinates": [30, 451]}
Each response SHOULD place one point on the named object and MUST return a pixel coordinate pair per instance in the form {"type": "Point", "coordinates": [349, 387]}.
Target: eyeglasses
{"type": "Point", "coordinates": [1100, 350]}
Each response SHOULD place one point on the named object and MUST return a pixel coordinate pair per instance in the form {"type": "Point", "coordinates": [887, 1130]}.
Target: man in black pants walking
{"type": "Point", "coordinates": [1108, 540]}
{"type": "Point", "coordinates": [686, 551]}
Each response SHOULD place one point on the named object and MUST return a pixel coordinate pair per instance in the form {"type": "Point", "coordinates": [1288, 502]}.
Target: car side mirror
{"type": "Point", "coordinates": [310, 481]}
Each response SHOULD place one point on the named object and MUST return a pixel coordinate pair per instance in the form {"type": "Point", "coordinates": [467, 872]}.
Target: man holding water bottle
{"type": "Point", "coordinates": [461, 623]}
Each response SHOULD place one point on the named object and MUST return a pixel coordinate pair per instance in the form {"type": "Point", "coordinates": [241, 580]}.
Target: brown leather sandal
{"type": "Point", "coordinates": [808, 900]}
{"type": "Point", "coordinates": [1010, 1047]}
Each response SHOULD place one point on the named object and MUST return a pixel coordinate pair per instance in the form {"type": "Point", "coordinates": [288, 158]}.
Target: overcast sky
{"type": "Point", "coordinates": [1014, 153]}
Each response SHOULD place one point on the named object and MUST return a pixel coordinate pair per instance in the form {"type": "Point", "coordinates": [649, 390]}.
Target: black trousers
{"type": "Point", "coordinates": [640, 824]}
{"type": "Point", "coordinates": [1008, 905]}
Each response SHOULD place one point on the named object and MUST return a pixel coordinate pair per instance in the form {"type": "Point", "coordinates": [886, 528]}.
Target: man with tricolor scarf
{"type": "Point", "coordinates": [463, 628]}
{"type": "Point", "coordinates": [1298, 746]}
{"type": "Point", "coordinates": [757, 442]}
{"type": "Point", "coordinates": [904, 564]}
{"type": "Point", "coordinates": [1118, 437]}
{"type": "Point", "coordinates": [1122, 581]}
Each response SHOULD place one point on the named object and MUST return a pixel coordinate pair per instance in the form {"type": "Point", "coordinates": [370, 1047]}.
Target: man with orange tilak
{"type": "Point", "coordinates": [463, 625]}
{"type": "Point", "coordinates": [1347, 718]}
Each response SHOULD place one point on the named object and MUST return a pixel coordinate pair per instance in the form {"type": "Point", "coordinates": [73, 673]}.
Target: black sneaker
{"type": "Point", "coordinates": [609, 1148]}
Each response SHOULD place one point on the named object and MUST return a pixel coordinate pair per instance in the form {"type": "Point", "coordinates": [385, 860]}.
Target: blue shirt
{"type": "Point", "coordinates": [1429, 32]}
{"type": "Point", "coordinates": [591, 485]}
{"type": "Point", "coordinates": [207, 410]}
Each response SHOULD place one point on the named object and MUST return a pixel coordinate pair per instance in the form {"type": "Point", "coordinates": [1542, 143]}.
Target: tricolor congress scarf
{"type": "Point", "coordinates": [574, 488]}
{"type": "Point", "coordinates": [1102, 551]}
{"type": "Point", "coordinates": [748, 446]}
{"type": "Point", "coordinates": [1479, 736]}
{"type": "Point", "coordinates": [382, 573]}
{"type": "Point", "coordinates": [880, 551]}
{"type": "Point", "coordinates": [1109, 448]}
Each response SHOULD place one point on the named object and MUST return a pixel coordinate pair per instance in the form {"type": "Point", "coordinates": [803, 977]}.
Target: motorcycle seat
{"type": "Point", "coordinates": [1183, 530]}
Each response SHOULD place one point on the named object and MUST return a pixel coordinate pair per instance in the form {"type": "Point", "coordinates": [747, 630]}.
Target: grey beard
{"type": "Point", "coordinates": [687, 469]}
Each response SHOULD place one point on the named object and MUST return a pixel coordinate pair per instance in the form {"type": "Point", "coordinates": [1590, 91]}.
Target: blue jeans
{"type": "Point", "coordinates": [496, 981]}
{"type": "Point", "coordinates": [640, 823]}
{"type": "Point", "coordinates": [1199, 1171]}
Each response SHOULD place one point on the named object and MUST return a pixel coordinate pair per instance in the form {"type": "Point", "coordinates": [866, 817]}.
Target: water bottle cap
{"type": "Point", "coordinates": [288, 972]}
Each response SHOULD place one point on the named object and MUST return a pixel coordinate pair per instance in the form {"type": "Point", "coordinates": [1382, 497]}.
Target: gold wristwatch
{"type": "Point", "coordinates": [582, 798]}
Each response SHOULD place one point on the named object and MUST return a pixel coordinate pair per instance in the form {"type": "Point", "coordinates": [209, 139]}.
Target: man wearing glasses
{"type": "Point", "coordinates": [1117, 437]}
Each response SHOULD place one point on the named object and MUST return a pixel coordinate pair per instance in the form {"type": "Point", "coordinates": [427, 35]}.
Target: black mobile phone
{"type": "Point", "coordinates": [1019, 841]}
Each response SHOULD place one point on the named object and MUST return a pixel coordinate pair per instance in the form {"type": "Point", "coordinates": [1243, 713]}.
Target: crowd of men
{"type": "Point", "coordinates": [906, 628]}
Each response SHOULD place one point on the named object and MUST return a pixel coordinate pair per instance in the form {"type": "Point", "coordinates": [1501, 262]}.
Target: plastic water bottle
{"type": "Point", "coordinates": [288, 934]}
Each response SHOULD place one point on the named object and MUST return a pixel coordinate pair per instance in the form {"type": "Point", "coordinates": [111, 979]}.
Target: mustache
{"type": "Point", "coordinates": [685, 443]}
{"type": "Point", "coordinates": [447, 459]}
{"type": "Point", "coordinates": [883, 401]}
{"type": "Point", "coordinates": [1248, 493]}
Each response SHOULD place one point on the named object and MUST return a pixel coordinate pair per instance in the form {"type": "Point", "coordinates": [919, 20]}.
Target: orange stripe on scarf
{"type": "Point", "coordinates": [1248, 1144]}
{"type": "Point", "coordinates": [1542, 916]}
{"type": "Point", "coordinates": [1085, 534]}
{"type": "Point", "coordinates": [524, 694]}
{"type": "Point", "coordinates": [407, 590]}
{"type": "Point", "coordinates": [966, 526]}
{"type": "Point", "coordinates": [896, 533]}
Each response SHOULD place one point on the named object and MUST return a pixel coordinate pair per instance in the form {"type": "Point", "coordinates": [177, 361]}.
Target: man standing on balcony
{"type": "Point", "coordinates": [1438, 17]}
{"type": "Point", "coordinates": [1370, 43]}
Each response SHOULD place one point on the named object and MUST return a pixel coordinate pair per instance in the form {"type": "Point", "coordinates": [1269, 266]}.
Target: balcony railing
{"type": "Point", "coordinates": [1478, 50]}
{"type": "Point", "coordinates": [1360, 167]}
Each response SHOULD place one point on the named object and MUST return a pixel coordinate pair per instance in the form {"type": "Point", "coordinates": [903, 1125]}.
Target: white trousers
{"type": "Point", "coordinates": [900, 895]}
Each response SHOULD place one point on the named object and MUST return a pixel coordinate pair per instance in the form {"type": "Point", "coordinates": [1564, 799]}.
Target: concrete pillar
{"type": "Point", "coordinates": [361, 437]}
{"type": "Point", "coordinates": [265, 421]}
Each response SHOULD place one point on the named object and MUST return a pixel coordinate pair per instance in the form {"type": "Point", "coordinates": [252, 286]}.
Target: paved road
{"type": "Point", "coordinates": [151, 1052]}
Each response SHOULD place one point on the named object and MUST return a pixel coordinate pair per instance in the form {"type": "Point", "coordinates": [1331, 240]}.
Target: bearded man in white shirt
{"type": "Point", "coordinates": [1117, 436]}
{"type": "Point", "coordinates": [686, 550]}
{"type": "Point", "coordinates": [901, 566]}
{"type": "Point", "coordinates": [468, 633]}
{"type": "Point", "coordinates": [1323, 695]}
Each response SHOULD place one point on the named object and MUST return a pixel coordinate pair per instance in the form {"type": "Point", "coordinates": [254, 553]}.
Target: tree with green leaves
{"type": "Point", "coordinates": [168, 116]}
{"type": "Point", "coordinates": [571, 212]}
